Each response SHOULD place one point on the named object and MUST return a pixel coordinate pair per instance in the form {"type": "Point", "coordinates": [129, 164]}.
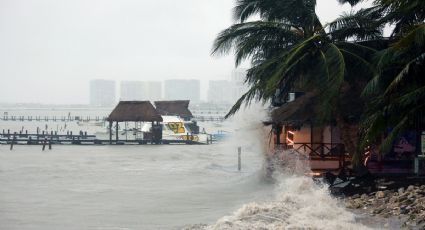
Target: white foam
{"type": "Point", "coordinates": [300, 204]}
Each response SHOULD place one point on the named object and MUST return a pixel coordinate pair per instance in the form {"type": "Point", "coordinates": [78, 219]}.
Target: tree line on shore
{"type": "Point", "coordinates": [360, 76]}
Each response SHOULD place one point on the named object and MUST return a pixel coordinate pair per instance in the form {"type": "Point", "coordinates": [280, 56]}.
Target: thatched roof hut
{"type": "Point", "coordinates": [174, 108]}
{"type": "Point", "coordinates": [306, 109]}
{"type": "Point", "coordinates": [295, 113]}
{"type": "Point", "coordinates": [134, 111]}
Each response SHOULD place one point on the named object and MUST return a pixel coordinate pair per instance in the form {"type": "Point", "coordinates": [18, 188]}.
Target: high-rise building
{"type": "Point", "coordinates": [238, 83]}
{"type": "Point", "coordinates": [153, 90]}
{"type": "Point", "coordinates": [102, 92]}
{"type": "Point", "coordinates": [182, 90]}
{"type": "Point", "coordinates": [140, 90]}
{"type": "Point", "coordinates": [220, 92]}
{"type": "Point", "coordinates": [132, 91]}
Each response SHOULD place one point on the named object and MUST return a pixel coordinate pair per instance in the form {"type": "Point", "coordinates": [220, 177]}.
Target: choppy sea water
{"type": "Point", "coordinates": [115, 187]}
{"type": "Point", "coordinates": [160, 187]}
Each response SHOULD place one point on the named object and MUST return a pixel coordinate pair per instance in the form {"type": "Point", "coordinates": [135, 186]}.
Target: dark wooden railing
{"type": "Point", "coordinates": [320, 151]}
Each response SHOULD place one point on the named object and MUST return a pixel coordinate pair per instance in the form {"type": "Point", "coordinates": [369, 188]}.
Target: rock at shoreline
{"type": "Point", "coordinates": [406, 204]}
{"type": "Point", "coordinates": [380, 194]}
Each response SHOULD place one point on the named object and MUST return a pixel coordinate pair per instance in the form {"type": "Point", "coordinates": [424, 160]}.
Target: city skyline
{"type": "Point", "coordinates": [218, 91]}
{"type": "Point", "coordinates": [52, 48]}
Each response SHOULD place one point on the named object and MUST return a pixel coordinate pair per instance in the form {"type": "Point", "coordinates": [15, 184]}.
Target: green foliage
{"type": "Point", "coordinates": [397, 91]}
{"type": "Point", "coordinates": [291, 50]}
{"type": "Point", "coordinates": [358, 26]}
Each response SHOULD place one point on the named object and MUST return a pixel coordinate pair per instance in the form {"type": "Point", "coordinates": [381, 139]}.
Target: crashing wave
{"type": "Point", "coordinates": [300, 203]}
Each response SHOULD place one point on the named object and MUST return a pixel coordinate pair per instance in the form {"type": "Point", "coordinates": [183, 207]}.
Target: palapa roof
{"type": "Point", "coordinates": [174, 108]}
{"type": "Point", "coordinates": [302, 110]}
{"type": "Point", "coordinates": [134, 111]}
{"type": "Point", "coordinates": [306, 109]}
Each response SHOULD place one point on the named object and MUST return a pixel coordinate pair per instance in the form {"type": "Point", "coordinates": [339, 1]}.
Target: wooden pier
{"type": "Point", "coordinates": [53, 138]}
{"type": "Point", "coordinates": [100, 119]}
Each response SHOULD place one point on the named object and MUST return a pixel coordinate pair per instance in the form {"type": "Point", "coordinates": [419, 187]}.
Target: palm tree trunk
{"type": "Point", "coordinates": [349, 137]}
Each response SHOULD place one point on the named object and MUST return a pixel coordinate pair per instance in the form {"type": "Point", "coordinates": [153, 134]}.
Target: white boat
{"type": "Point", "coordinates": [176, 128]}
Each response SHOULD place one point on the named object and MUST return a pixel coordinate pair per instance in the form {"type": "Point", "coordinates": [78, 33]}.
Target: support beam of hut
{"type": "Point", "coordinates": [110, 132]}
{"type": "Point", "coordinates": [278, 132]}
{"type": "Point", "coordinates": [116, 132]}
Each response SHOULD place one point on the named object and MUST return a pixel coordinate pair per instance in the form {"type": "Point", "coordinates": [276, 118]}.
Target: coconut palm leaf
{"type": "Point", "coordinates": [245, 37]}
{"type": "Point", "coordinates": [409, 72]}
{"type": "Point", "coordinates": [362, 25]}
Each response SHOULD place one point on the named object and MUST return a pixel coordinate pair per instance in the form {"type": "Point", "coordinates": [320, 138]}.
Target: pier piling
{"type": "Point", "coordinates": [44, 144]}
{"type": "Point", "coordinates": [13, 141]}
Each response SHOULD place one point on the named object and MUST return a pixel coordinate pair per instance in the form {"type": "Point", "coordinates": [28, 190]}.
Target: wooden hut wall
{"type": "Point", "coordinates": [327, 134]}
{"type": "Point", "coordinates": [303, 135]}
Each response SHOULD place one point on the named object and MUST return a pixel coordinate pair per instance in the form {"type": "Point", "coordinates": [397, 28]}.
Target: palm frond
{"type": "Point", "coordinates": [360, 25]}
{"type": "Point", "coordinates": [388, 141]}
{"type": "Point", "coordinates": [415, 38]}
{"type": "Point", "coordinates": [412, 69]}
{"type": "Point", "coordinates": [251, 38]}
{"type": "Point", "coordinates": [246, 98]}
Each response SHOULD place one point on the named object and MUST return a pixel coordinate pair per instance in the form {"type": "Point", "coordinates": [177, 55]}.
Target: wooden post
{"type": "Point", "coordinates": [116, 132]}
{"type": "Point", "coordinates": [126, 138]}
{"type": "Point", "coordinates": [50, 143]}
{"type": "Point", "coordinates": [110, 132]}
{"type": "Point", "coordinates": [278, 132]}
{"type": "Point", "coordinates": [239, 158]}
{"type": "Point", "coordinates": [44, 144]}
{"type": "Point", "coordinates": [13, 141]}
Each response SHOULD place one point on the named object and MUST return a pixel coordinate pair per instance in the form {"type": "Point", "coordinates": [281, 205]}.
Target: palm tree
{"type": "Point", "coordinates": [396, 92]}
{"type": "Point", "coordinates": [290, 49]}
{"type": "Point", "coordinates": [398, 88]}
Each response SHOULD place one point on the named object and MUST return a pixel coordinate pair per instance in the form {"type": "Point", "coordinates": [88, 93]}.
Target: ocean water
{"type": "Point", "coordinates": [161, 187]}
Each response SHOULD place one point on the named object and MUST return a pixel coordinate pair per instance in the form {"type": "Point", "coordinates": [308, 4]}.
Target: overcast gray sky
{"type": "Point", "coordinates": [50, 49]}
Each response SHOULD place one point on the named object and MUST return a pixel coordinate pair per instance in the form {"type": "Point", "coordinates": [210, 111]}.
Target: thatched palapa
{"type": "Point", "coordinates": [174, 108]}
{"type": "Point", "coordinates": [302, 110]}
{"type": "Point", "coordinates": [134, 111]}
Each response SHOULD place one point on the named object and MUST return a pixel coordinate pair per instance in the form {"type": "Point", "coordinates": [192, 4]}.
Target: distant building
{"type": "Point", "coordinates": [153, 90]}
{"type": "Point", "coordinates": [220, 91]}
{"type": "Point", "coordinates": [102, 92]}
{"type": "Point", "coordinates": [132, 91]}
{"type": "Point", "coordinates": [182, 90]}
{"type": "Point", "coordinates": [140, 90]}
{"type": "Point", "coordinates": [238, 83]}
